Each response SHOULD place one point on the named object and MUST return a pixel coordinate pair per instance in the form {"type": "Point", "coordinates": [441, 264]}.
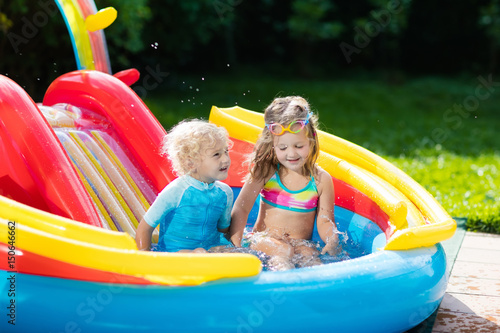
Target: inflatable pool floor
{"type": "Point", "coordinates": [81, 168]}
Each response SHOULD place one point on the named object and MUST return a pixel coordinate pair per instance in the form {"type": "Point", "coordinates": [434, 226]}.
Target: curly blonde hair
{"type": "Point", "coordinates": [283, 110]}
{"type": "Point", "coordinates": [187, 140]}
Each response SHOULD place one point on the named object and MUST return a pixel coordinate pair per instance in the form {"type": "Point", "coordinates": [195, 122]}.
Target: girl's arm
{"type": "Point", "coordinates": [143, 236]}
{"type": "Point", "coordinates": [325, 220]}
{"type": "Point", "coordinates": [241, 208]}
{"type": "Point", "coordinates": [225, 218]}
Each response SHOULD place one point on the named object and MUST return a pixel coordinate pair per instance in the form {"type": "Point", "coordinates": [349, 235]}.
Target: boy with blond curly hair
{"type": "Point", "coordinates": [194, 210]}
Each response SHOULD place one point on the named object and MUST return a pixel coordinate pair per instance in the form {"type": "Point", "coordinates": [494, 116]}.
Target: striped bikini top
{"type": "Point", "coordinates": [276, 194]}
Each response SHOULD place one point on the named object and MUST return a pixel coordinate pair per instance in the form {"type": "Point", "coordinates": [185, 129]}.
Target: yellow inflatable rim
{"type": "Point", "coordinates": [429, 222]}
{"type": "Point", "coordinates": [116, 252]}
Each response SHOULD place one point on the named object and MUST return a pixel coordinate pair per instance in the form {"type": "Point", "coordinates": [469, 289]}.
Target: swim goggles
{"type": "Point", "coordinates": [294, 127]}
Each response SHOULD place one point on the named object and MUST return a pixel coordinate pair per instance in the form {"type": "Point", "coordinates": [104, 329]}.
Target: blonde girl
{"type": "Point", "coordinates": [294, 190]}
{"type": "Point", "coordinates": [194, 210]}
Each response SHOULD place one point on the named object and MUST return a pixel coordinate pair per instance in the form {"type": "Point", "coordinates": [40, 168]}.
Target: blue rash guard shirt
{"type": "Point", "coordinates": [189, 213]}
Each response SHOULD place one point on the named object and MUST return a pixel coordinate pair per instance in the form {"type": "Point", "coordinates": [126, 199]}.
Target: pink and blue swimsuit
{"type": "Point", "coordinates": [276, 194]}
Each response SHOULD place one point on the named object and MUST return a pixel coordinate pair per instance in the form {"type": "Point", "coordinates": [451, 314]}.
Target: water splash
{"type": "Point", "coordinates": [347, 249]}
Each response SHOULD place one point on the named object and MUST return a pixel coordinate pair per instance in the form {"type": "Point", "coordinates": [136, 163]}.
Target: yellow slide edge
{"type": "Point", "coordinates": [246, 125]}
{"type": "Point", "coordinates": [76, 243]}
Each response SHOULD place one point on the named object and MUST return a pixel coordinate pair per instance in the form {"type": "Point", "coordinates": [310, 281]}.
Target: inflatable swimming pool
{"type": "Point", "coordinates": [80, 169]}
{"type": "Point", "coordinates": [80, 275]}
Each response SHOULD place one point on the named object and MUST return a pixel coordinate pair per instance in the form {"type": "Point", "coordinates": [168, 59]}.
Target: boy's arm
{"type": "Point", "coordinates": [327, 228]}
{"type": "Point", "coordinates": [143, 236]}
{"type": "Point", "coordinates": [167, 200]}
{"type": "Point", "coordinates": [242, 207]}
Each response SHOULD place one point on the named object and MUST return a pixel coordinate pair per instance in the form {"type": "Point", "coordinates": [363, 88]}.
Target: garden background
{"type": "Point", "coordinates": [416, 82]}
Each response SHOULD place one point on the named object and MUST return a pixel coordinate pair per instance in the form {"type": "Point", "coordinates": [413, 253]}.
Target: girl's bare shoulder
{"type": "Point", "coordinates": [321, 175]}
{"type": "Point", "coordinates": [256, 184]}
{"type": "Point", "coordinates": [323, 178]}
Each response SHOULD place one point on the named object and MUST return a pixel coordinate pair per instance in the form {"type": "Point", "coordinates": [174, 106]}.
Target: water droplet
{"type": "Point", "coordinates": [203, 79]}
{"type": "Point", "coordinates": [190, 87]}
{"type": "Point", "coordinates": [182, 101]}
{"type": "Point", "coordinates": [228, 65]}
{"type": "Point", "coordinates": [197, 89]}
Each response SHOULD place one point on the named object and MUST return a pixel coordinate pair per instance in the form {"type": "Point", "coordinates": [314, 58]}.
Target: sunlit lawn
{"type": "Point", "coordinates": [443, 132]}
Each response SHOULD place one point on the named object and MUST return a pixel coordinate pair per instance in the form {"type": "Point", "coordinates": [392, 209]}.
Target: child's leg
{"type": "Point", "coordinates": [306, 255]}
{"type": "Point", "coordinates": [280, 251]}
{"type": "Point", "coordinates": [273, 247]}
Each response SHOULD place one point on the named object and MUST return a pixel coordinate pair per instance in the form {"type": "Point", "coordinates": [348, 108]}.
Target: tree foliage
{"type": "Point", "coordinates": [126, 35]}
{"type": "Point", "coordinates": [308, 37]}
{"type": "Point", "coordinates": [309, 21]}
{"type": "Point", "coordinates": [31, 49]}
{"type": "Point", "coordinates": [178, 30]}
{"type": "Point", "coordinates": [35, 46]}
{"type": "Point", "coordinates": [489, 20]}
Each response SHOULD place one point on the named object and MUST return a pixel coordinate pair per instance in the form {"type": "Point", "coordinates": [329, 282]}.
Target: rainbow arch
{"type": "Point", "coordinates": [85, 26]}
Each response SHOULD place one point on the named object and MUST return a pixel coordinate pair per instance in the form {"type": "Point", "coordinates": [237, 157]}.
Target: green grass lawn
{"type": "Point", "coordinates": [443, 132]}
